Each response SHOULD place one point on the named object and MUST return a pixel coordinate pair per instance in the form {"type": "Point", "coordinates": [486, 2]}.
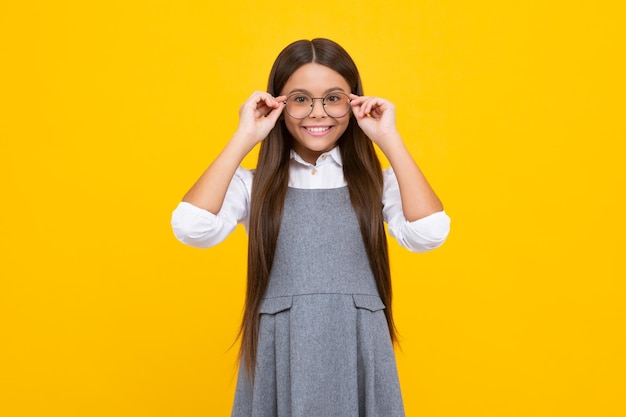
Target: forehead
{"type": "Point", "coordinates": [316, 79]}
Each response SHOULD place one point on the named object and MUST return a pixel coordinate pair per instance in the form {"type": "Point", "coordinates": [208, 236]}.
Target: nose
{"type": "Point", "coordinates": [317, 110]}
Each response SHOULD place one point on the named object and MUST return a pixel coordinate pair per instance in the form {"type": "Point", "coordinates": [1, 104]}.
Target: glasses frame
{"type": "Point", "coordinates": [313, 104]}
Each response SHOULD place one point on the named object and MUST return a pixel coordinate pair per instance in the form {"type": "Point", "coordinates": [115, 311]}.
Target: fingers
{"type": "Point", "coordinates": [260, 99]}
{"type": "Point", "coordinates": [368, 106]}
{"type": "Point", "coordinates": [258, 114]}
{"type": "Point", "coordinates": [274, 114]}
{"type": "Point", "coordinates": [277, 102]}
{"type": "Point", "coordinates": [261, 104]}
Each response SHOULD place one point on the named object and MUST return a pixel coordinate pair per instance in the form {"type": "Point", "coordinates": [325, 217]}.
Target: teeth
{"type": "Point", "coordinates": [317, 129]}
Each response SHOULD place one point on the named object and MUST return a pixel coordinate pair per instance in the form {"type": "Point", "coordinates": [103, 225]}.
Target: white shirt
{"type": "Point", "coordinates": [197, 227]}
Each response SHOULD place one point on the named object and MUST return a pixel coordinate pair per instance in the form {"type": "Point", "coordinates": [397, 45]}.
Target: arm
{"type": "Point", "coordinates": [257, 116]}
{"type": "Point", "coordinates": [198, 227]}
{"type": "Point", "coordinates": [420, 235]}
{"type": "Point", "coordinates": [219, 199]}
{"type": "Point", "coordinates": [376, 117]}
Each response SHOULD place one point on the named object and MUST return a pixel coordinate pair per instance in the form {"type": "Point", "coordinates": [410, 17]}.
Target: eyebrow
{"type": "Point", "coordinates": [302, 90]}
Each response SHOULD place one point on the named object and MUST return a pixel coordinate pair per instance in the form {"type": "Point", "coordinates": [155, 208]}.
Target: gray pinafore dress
{"type": "Point", "coordinates": [324, 348]}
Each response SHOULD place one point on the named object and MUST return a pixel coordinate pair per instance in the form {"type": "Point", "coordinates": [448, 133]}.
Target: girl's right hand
{"type": "Point", "coordinates": [258, 115]}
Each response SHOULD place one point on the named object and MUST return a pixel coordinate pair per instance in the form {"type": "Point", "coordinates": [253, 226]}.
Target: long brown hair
{"type": "Point", "coordinates": [362, 172]}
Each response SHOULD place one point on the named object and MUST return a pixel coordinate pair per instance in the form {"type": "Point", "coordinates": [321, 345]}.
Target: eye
{"type": "Point", "coordinates": [300, 99]}
{"type": "Point", "coordinates": [333, 98]}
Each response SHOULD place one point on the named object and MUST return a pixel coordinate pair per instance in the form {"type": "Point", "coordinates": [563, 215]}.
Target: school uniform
{"type": "Point", "coordinates": [324, 347]}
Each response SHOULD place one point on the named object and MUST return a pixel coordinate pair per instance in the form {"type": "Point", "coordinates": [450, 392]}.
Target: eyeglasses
{"type": "Point", "coordinates": [300, 105]}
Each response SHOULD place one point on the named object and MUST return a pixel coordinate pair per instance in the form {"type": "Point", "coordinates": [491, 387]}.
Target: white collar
{"type": "Point", "coordinates": [334, 154]}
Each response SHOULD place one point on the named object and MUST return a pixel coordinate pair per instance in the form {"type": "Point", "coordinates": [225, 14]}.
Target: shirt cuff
{"type": "Point", "coordinates": [426, 233]}
{"type": "Point", "coordinates": [198, 227]}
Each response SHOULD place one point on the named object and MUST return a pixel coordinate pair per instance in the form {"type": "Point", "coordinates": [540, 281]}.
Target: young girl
{"type": "Point", "coordinates": [317, 331]}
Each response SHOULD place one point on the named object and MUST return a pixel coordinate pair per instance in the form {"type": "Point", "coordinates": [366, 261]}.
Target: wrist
{"type": "Point", "coordinates": [390, 142]}
{"type": "Point", "coordinates": [244, 138]}
{"type": "Point", "coordinates": [241, 144]}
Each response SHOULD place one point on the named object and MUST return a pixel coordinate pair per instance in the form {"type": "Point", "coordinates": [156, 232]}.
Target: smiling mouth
{"type": "Point", "coordinates": [320, 129]}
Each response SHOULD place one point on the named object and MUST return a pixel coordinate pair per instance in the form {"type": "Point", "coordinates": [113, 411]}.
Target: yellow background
{"type": "Point", "coordinates": [111, 109]}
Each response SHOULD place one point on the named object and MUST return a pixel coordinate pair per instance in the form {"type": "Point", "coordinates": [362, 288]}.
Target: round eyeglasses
{"type": "Point", "coordinates": [300, 105]}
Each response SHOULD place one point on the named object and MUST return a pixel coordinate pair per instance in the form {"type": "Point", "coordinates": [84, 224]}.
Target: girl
{"type": "Point", "coordinates": [317, 331]}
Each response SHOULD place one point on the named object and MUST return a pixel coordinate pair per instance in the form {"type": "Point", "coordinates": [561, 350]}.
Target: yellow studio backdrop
{"type": "Point", "coordinates": [111, 110]}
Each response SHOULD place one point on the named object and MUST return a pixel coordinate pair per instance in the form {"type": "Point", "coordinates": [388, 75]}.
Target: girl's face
{"type": "Point", "coordinates": [318, 132]}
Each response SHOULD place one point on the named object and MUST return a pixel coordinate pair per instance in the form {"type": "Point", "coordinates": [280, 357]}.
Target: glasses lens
{"type": "Point", "coordinates": [299, 105]}
{"type": "Point", "coordinates": [337, 104]}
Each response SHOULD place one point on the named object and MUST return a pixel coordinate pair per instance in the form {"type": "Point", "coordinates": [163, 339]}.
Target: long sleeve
{"type": "Point", "coordinates": [200, 228]}
{"type": "Point", "coordinates": [418, 236]}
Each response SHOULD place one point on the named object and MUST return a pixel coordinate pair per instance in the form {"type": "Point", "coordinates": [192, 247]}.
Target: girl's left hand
{"type": "Point", "coordinates": [376, 116]}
